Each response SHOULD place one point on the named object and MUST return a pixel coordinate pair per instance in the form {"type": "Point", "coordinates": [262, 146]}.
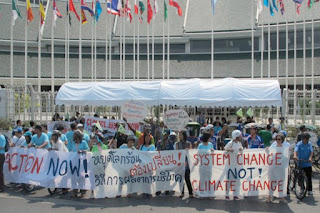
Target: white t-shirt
{"type": "Point", "coordinates": [59, 145]}
{"type": "Point", "coordinates": [234, 145]}
{"type": "Point", "coordinates": [19, 141]}
{"type": "Point", "coordinates": [284, 144]}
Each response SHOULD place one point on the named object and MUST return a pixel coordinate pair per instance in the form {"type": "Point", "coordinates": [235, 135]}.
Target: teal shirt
{"type": "Point", "coordinates": [83, 146]}
{"type": "Point", "coordinates": [86, 137]}
{"type": "Point", "coordinates": [2, 144]}
{"type": "Point", "coordinates": [38, 141]}
{"type": "Point", "coordinates": [69, 136]}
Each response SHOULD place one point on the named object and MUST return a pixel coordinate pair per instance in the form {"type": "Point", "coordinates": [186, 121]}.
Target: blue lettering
{"type": "Point", "coordinates": [75, 168]}
{"type": "Point", "coordinates": [54, 169]}
{"type": "Point", "coordinates": [65, 169]}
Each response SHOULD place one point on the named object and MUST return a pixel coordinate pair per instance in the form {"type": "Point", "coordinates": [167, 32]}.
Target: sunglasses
{"type": "Point", "coordinates": [279, 139]}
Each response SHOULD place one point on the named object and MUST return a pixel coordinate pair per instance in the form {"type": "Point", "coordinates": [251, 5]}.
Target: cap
{"type": "Point", "coordinates": [80, 126]}
{"type": "Point", "coordinates": [27, 134]}
{"type": "Point", "coordinates": [284, 133]}
{"type": "Point", "coordinates": [56, 133]}
{"type": "Point", "coordinates": [130, 138]}
{"type": "Point", "coordinates": [78, 133]}
{"type": "Point", "coordinates": [236, 134]}
{"type": "Point", "coordinates": [254, 126]}
{"type": "Point", "coordinates": [208, 128]}
{"type": "Point", "coordinates": [173, 134]}
{"type": "Point", "coordinates": [18, 129]}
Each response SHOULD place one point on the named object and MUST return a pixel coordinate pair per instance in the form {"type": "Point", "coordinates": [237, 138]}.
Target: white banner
{"type": "Point", "coordinates": [107, 124]}
{"type": "Point", "coordinates": [134, 111]}
{"type": "Point", "coordinates": [250, 173]}
{"type": "Point", "coordinates": [50, 169]}
{"type": "Point", "coordinates": [124, 171]}
{"type": "Point", "coordinates": [176, 119]}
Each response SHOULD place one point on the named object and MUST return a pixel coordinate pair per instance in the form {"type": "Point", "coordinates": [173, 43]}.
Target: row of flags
{"type": "Point", "coordinates": [274, 4]}
{"type": "Point", "coordinates": [116, 7]}
{"type": "Point", "coordinates": [249, 112]}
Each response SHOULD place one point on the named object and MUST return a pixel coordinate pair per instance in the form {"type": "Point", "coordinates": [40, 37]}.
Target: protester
{"type": "Point", "coordinates": [270, 122]}
{"type": "Point", "coordinates": [266, 136]}
{"type": "Point", "coordinates": [254, 140]}
{"type": "Point", "coordinates": [165, 137]}
{"type": "Point", "coordinates": [130, 143]}
{"type": "Point", "coordinates": [205, 144]}
{"type": "Point", "coordinates": [279, 143]}
{"type": "Point", "coordinates": [39, 140]}
{"type": "Point", "coordinates": [98, 144]}
{"type": "Point", "coordinates": [147, 146]}
{"type": "Point", "coordinates": [119, 138]}
{"type": "Point", "coordinates": [200, 118]}
{"type": "Point", "coordinates": [274, 132]}
{"type": "Point", "coordinates": [80, 146]}
{"type": "Point", "coordinates": [217, 127]}
{"type": "Point", "coordinates": [18, 139]}
{"type": "Point", "coordinates": [284, 142]}
{"type": "Point", "coordinates": [63, 137]}
{"type": "Point", "coordinates": [31, 126]}
{"type": "Point", "coordinates": [183, 144]}
{"type": "Point", "coordinates": [303, 129]}
{"type": "Point", "coordinates": [69, 135]}
{"type": "Point", "coordinates": [234, 146]}
{"type": "Point", "coordinates": [139, 135]}
{"type": "Point", "coordinates": [56, 142]}
{"type": "Point", "coordinates": [86, 137]}
{"type": "Point", "coordinates": [45, 130]}
{"type": "Point", "coordinates": [2, 159]}
{"type": "Point", "coordinates": [18, 124]}
{"type": "Point", "coordinates": [304, 152]}
{"type": "Point", "coordinates": [281, 126]}
{"type": "Point", "coordinates": [27, 135]}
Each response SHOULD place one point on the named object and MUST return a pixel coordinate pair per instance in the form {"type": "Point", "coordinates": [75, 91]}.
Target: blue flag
{"type": "Point", "coordinates": [275, 5]}
{"type": "Point", "coordinates": [98, 10]}
{"type": "Point", "coordinates": [213, 2]}
{"type": "Point", "coordinates": [266, 3]}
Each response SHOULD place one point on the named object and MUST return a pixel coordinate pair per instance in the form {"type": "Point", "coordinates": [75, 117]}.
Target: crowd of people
{"type": "Point", "coordinates": [213, 136]}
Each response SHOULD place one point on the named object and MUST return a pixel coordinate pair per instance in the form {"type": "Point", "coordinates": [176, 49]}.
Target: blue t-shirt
{"type": "Point", "coordinates": [207, 147]}
{"type": "Point", "coordinates": [38, 141]}
{"type": "Point", "coordinates": [125, 146]}
{"type": "Point", "coordinates": [256, 143]}
{"type": "Point", "coordinates": [213, 140]}
{"type": "Point", "coordinates": [69, 136]}
{"type": "Point", "coordinates": [304, 151]}
{"type": "Point", "coordinates": [217, 129]}
{"type": "Point", "coordinates": [63, 138]}
{"type": "Point", "coordinates": [151, 147]}
{"type": "Point", "coordinates": [2, 144]}
{"type": "Point", "coordinates": [49, 135]}
{"type": "Point", "coordinates": [83, 146]}
{"type": "Point", "coordinates": [86, 137]}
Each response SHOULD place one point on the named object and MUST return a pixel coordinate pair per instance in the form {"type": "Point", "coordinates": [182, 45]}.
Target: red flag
{"type": "Point", "coordinates": [136, 9]}
{"type": "Point", "coordinates": [174, 3]}
{"type": "Point", "coordinates": [73, 9]}
{"type": "Point", "coordinates": [150, 12]}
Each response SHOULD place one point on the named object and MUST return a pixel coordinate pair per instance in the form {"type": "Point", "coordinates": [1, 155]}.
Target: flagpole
{"type": "Point", "coordinates": [304, 56]}
{"type": "Point", "coordinates": [152, 66]}
{"type": "Point", "coordinates": [25, 59]}
{"type": "Point", "coordinates": [66, 48]}
{"type": "Point", "coordinates": [95, 51]}
{"type": "Point", "coordinates": [277, 49]}
{"type": "Point", "coordinates": [120, 46]}
{"type": "Point", "coordinates": [262, 42]}
{"type": "Point", "coordinates": [107, 47]}
{"type": "Point", "coordinates": [92, 50]}
{"type": "Point", "coordinates": [39, 57]}
{"type": "Point", "coordinates": [11, 48]}
{"type": "Point", "coordinates": [312, 52]}
{"type": "Point", "coordinates": [168, 46]}
{"type": "Point", "coordinates": [295, 68]}
{"type": "Point", "coordinates": [124, 46]}
{"type": "Point", "coordinates": [252, 40]}
{"type": "Point", "coordinates": [52, 52]}
{"type": "Point", "coordinates": [287, 53]}
{"type": "Point", "coordinates": [269, 52]}
{"type": "Point", "coordinates": [148, 52]}
{"type": "Point", "coordinates": [80, 46]}
{"type": "Point", "coordinates": [110, 45]}
{"type": "Point", "coordinates": [212, 49]}
{"type": "Point", "coordinates": [163, 49]}
{"type": "Point", "coordinates": [138, 51]}
{"type": "Point", "coordinates": [134, 46]}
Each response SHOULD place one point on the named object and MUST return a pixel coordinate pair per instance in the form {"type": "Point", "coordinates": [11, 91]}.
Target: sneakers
{"type": "Point", "coordinates": [310, 193]}
{"type": "Point", "coordinates": [236, 198]}
{"type": "Point", "coordinates": [227, 198]}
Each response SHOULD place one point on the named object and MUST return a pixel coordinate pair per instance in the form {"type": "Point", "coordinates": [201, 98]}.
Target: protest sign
{"type": "Point", "coordinates": [109, 125]}
{"type": "Point", "coordinates": [125, 171]}
{"type": "Point", "coordinates": [176, 119]}
{"type": "Point", "coordinates": [51, 169]}
{"type": "Point", "coordinates": [134, 111]}
{"type": "Point", "coordinates": [54, 124]}
{"type": "Point", "coordinates": [250, 173]}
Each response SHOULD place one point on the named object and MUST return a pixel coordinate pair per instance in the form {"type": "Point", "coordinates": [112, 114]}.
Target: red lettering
{"type": "Point", "coordinates": [8, 161]}
{"type": "Point", "coordinates": [259, 185]}
{"type": "Point", "coordinates": [280, 186]}
{"type": "Point", "coordinates": [208, 161]}
{"type": "Point", "coordinates": [232, 185]}
{"type": "Point", "coordinates": [243, 186]}
{"type": "Point", "coordinates": [26, 169]}
{"type": "Point", "coordinates": [22, 161]}
{"type": "Point", "coordinates": [278, 158]}
{"type": "Point", "coordinates": [16, 167]}
{"type": "Point", "coordinates": [273, 185]}
{"type": "Point", "coordinates": [269, 159]}
{"type": "Point", "coordinates": [193, 186]}
{"type": "Point", "coordinates": [254, 160]}
{"type": "Point", "coordinates": [36, 164]}
{"type": "Point", "coordinates": [195, 156]}
{"type": "Point", "coordinates": [219, 159]}
{"type": "Point", "coordinates": [239, 163]}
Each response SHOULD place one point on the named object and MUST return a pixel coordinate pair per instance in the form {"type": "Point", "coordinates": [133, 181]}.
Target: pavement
{"type": "Point", "coordinates": [16, 199]}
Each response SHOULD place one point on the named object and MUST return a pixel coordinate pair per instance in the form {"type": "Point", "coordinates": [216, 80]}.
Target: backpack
{"type": "Point", "coordinates": [7, 146]}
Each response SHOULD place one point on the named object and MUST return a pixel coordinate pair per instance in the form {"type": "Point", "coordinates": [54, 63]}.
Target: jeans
{"type": "Point", "coordinates": [187, 179]}
{"type": "Point", "coordinates": [308, 171]}
{"type": "Point", "coordinates": [2, 158]}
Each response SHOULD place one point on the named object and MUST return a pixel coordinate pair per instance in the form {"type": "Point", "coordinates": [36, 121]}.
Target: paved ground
{"type": "Point", "coordinates": [16, 200]}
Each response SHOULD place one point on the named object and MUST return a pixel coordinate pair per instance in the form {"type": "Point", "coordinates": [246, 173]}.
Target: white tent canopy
{"type": "Point", "coordinates": [228, 92]}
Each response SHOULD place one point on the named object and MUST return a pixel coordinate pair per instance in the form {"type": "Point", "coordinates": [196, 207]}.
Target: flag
{"type": "Point", "coordinates": [311, 2]}
{"type": "Point", "coordinates": [174, 3]}
{"type": "Point", "coordinates": [298, 5]}
{"type": "Point", "coordinates": [42, 13]}
{"type": "Point", "coordinates": [141, 6]}
{"type": "Point", "coordinates": [15, 12]}
{"type": "Point", "coordinates": [274, 5]}
{"type": "Point", "coordinates": [249, 112]}
{"type": "Point", "coordinates": [56, 12]}
{"type": "Point", "coordinates": [259, 9]}
{"type": "Point", "coordinates": [83, 18]}
{"type": "Point", "coordinates": [84, 6]}
{"type": "Point", "coordinates": [213, 2]}
{"type": "Point", "coordinates": [240, 113]}
{"type": "Point", "coordinates": [121, 129]}
{"type": "Point", "coordinates": [29, 11]}
{"type": "Point", "coordinates": [114, 7]}
{"type": "Point", "coordinates": [155, 7]}
{"type": "Point", "coordinates": [73, 9]}
{"type": "Point", "coordinates": [281, 6]}
{"type": "Point", "coordinates": [268, 4]}
{"type": "Point", "coordinates": [98, 10]}
{"type": "Point", "coordinates": [150, 12]}
{"type": "Point", "coordinates": [99, 126]}
{"type": "Point", "coordinates": [165, 11]}
{"type": "Point", "coordinates": [136, 9]}
{"type": "Point", "coordinates": [128, 10]}
{"type": "Point", "coordinates": [68, 14]}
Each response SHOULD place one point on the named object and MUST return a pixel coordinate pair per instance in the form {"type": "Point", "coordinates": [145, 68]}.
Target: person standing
{"type": "Point", "coordinates": [266, 136]}
{"type": "Point", "coordinates": [18, 139]}
{"type": "Point", "coordinates": [2, 159]}
{"type": "Point", "coordinates": [254, 140]}
{"type": "Point", "coordinates": [183, 144]}
{"type": "Point", "coordinates": [39, 140]}
{"type": "Point", "coordinates": [56, 143]}
{"type": "Point", "coordinates": [281, 126]}
{"type": "Point", "coordinates": [86, 137]}
{"type": "Point", "coordinates": [304, 152]}
{"type": "Point", "coordinates": [69, 136]}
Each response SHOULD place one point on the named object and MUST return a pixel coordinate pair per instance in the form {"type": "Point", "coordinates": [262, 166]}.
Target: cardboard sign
{"type": "Point", "coordinates": [176, 119]}
{"type": "Point", "coordinates": [134, 111]}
